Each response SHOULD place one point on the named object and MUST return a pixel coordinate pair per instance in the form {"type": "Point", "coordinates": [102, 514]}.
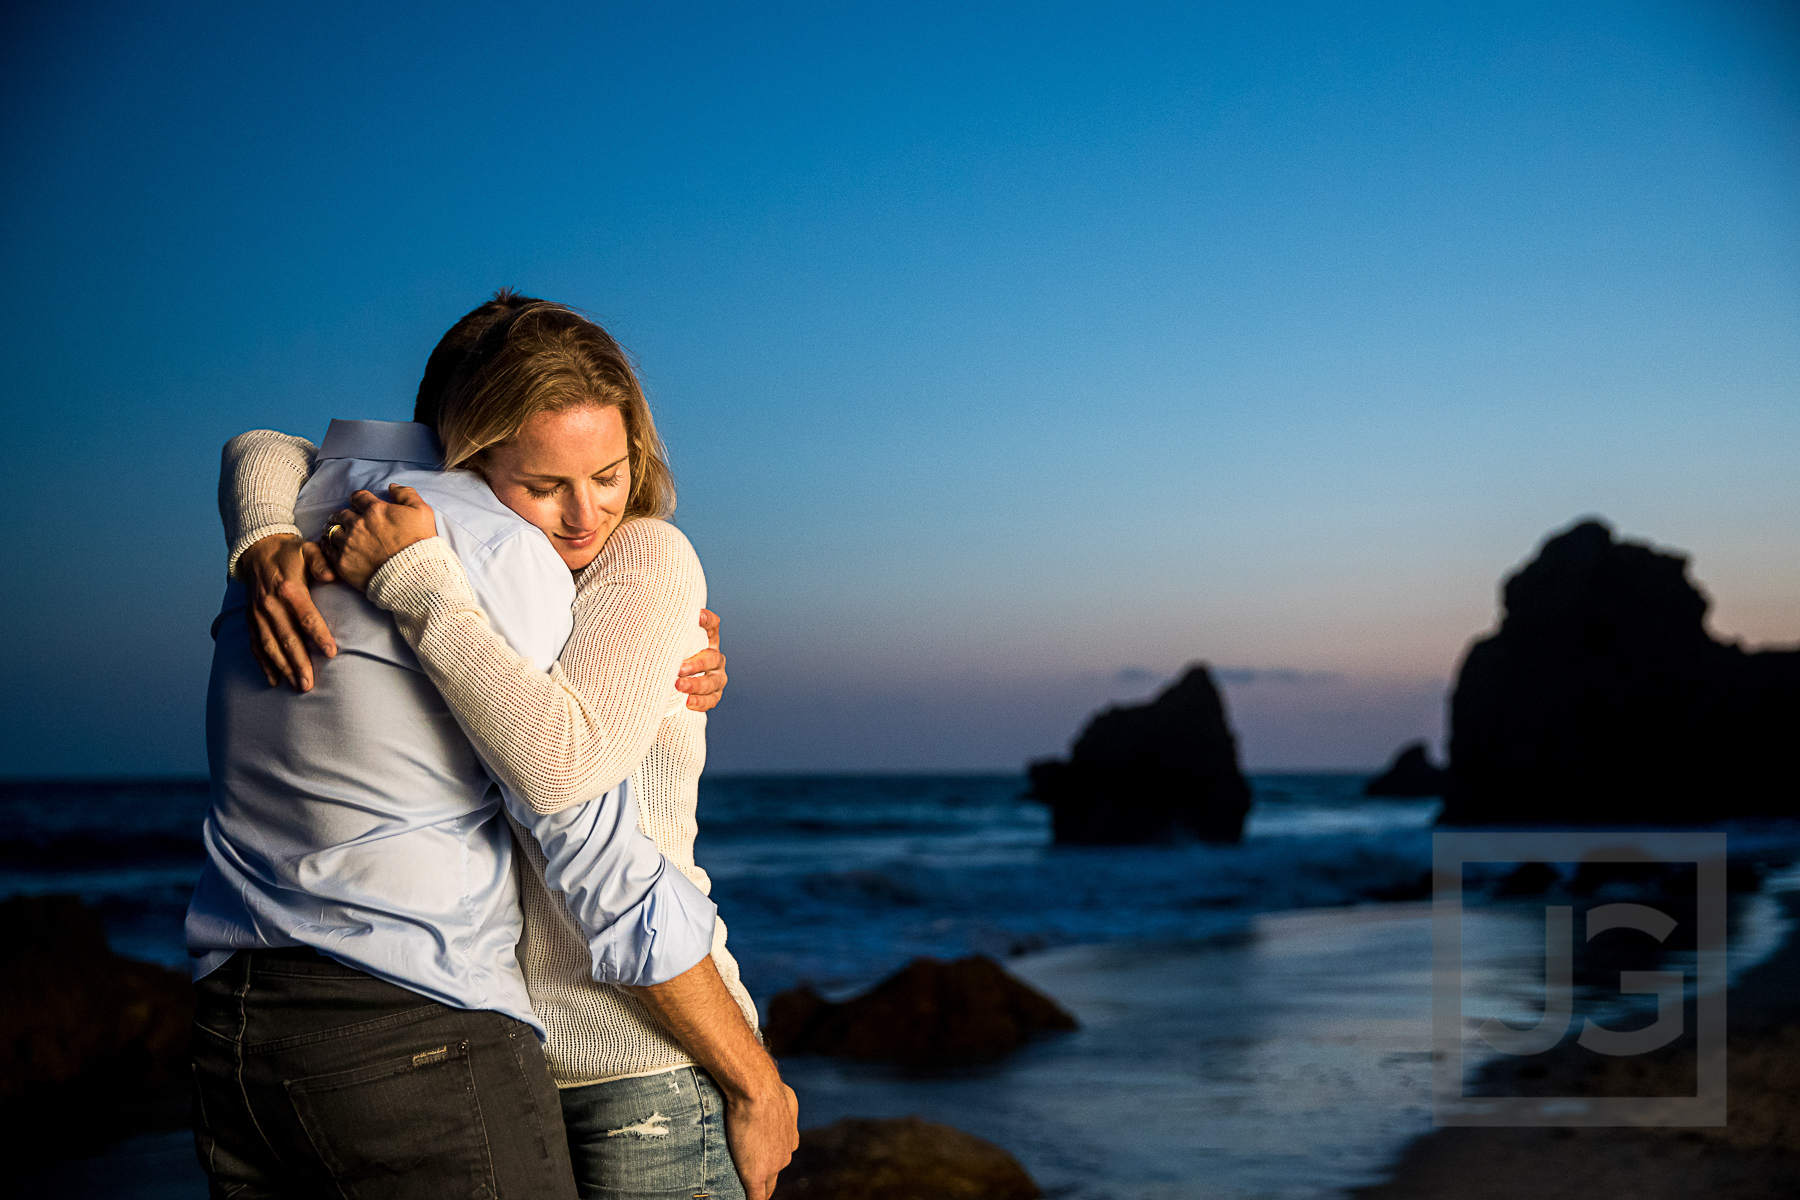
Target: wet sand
{"type": "Point", "coordinates": [1755, 1155]}
{"type": "Point", "coordinates": [1290, 1061]}
{"type": "Point", "coordinates": [1295, 1062]}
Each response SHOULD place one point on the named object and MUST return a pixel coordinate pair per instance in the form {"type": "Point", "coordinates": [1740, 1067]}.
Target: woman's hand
{"type": "Point", "coordinates": [274, 572]}
{"type": "Point", "coordinates": [358, 539]}
{"type": "Point", "coordinates": [703, 677]}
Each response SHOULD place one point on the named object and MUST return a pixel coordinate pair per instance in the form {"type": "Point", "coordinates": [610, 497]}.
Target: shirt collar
{"type": "Point", "coordinates": [382, 441]}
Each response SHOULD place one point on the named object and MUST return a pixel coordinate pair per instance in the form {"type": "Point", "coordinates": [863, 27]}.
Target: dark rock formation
{"type": "Point", "coordinates": [1602, 699]}
{"type": "Point", "coordinates": [1419, 887]}
{"type": "Point", "coordinates": [1150, 772]}
{"type": "Point", "coordinates": [91, 1044]}
{"type": "Point", "coordinates": [1412, 773]}
{"type": "Point", "coordinates": [904, 1159]}
{"type": "Point", "coordinates": [930, 1012]}
{"type": "Point", "coordinates": [1529, 879]}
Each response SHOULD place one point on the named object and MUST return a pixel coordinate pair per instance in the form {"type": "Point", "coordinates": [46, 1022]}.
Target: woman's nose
{"type": "Point", "coordinates": [582, 513]}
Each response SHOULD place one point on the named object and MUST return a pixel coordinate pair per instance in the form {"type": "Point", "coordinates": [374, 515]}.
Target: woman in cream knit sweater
{"type": "Point", "coordinates": [547, 411]}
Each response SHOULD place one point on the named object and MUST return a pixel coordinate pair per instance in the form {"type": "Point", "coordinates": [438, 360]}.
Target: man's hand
{"type": "Point", "coordinates": [703, 677]}
{"type": "Point", "coordinates": [274, 572]}
{"type": "Point", "coordinates": [762, 1116]}
{"type": "Point", "coordinates": [359, 539]}
{"type": "Point", "coordinates": [762, 1135]}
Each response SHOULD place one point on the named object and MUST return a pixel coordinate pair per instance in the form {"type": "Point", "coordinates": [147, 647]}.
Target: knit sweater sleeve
{"type": "Point", "coordinates": [576, 732]}
{"type": "Point", "coordinates": [260, 474]}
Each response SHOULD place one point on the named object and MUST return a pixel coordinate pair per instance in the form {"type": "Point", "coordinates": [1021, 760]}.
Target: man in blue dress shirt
{"type": "Point", "coordinates": [362, 1025]}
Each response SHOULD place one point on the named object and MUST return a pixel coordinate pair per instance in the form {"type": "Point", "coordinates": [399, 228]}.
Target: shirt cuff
{"type": "Point", "coordinates": [424, 577]}
{"type": "Point", "coordinates": [247, 540]}
{"type": "Point", "coordinates": [664, 935]}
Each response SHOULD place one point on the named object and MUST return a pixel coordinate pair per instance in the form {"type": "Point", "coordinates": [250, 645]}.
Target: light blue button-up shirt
{"type": "Point", "coordinates": [358, 819]}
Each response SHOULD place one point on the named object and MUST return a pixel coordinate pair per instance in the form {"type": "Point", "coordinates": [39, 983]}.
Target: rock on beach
{"type": "Point", "coordinates": [91, 1044]}
{"type": "Point", "coordinates": [904, 1159]}
{"type": "Point", "coordinates": [931, 1012]}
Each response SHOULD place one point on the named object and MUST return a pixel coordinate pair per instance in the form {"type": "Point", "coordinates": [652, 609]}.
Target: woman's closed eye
{"type": "Point", "coordinates": [606, 481]}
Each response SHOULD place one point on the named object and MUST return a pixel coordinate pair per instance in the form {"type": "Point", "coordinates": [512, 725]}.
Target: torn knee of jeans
{"type": "Point", "coordinates": [654, 1125]}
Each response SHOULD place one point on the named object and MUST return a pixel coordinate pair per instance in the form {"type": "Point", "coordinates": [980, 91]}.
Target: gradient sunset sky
{"type": "Point", "coordinates": [1010, 356]}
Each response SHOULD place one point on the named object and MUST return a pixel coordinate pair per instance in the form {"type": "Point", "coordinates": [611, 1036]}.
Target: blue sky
{"type": "Point", "coordinates": [1010, 356]}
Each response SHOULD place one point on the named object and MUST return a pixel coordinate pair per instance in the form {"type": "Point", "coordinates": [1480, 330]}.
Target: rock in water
{"type": "Point", "coordinates": [1150, 772]}
{"type": "Point", "coordinates": [91, 1044]}
{"type": "Point", "coordinates": [1412, 773]}
{"type": "Point", "coordinates": [1603, 699]}
{"type": "Point", "coordinates": [930, 1012]}
{"type": "Point", "coordinates": [904, 1159]}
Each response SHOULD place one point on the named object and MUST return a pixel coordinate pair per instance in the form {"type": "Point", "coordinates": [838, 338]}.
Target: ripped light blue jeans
{"type": "Point", "coordinates": [656, 1137]}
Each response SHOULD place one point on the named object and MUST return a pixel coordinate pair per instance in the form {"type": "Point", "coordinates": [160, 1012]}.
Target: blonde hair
{"type": "Point", "coordinates": [534, 357]}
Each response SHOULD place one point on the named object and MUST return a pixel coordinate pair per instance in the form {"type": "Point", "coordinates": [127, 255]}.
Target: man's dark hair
{"type": "Point", "coordinates": [454, 358]}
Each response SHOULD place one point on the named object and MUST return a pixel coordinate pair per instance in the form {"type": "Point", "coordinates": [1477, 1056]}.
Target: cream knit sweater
{"type": "Point", "coordinates": [608, 710]}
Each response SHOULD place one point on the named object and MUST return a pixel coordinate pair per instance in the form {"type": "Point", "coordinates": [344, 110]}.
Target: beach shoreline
{"type": "Point", "coordinates": [1255, 1019]}
{"type": "Point", "coordinates": [1755, 1155]}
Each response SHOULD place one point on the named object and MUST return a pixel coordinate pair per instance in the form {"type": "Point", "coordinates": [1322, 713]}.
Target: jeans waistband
{"type": "Point", "coordinates": [288, 960]}
{"type": "Point", "coordinates": [287, 954]}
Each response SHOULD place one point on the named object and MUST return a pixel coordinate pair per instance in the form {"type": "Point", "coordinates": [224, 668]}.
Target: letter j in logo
{"type": "Point", "coordinates": [1559, 992]}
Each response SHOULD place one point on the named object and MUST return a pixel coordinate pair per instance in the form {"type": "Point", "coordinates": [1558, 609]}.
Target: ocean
{"type": "Point", "coordinates": [834, 879]}
{"type": "Point", "coordinates": [1255, 1018]}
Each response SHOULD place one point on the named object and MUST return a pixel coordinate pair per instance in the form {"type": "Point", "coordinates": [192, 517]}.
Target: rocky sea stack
{"type": "Point", "coordinates": [1602, 698]}
{"type": "Point", "coordinates": [1150, 772]}
{"type": "Point", "coordinates": [1412, 773]}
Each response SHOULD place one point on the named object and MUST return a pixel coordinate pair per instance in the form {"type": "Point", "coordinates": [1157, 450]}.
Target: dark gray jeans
{"type": "Point", "coordinates": [315, 1079]}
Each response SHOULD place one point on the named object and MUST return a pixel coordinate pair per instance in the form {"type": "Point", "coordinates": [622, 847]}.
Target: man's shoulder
{"type": "Point", "coordinates": [464, 501]}
{"type": "Point", "coordinates": [519, 579]}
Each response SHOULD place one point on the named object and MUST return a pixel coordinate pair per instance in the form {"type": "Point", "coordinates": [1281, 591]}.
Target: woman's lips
{"type": "Point", "coordinates": [580, 541]}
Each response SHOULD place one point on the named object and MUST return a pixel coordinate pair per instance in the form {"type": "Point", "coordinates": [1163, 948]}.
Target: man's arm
{"type": "Point", "coordinates": [761, 1112]}
{"type": "Point", "coordinates": [645, 922]}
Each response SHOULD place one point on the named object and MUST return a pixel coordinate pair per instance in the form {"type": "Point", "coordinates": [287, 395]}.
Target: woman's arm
{"type": "Point", "coordinates": [568, 736]}
{"type": "Point", "coordinates": [260, 475]}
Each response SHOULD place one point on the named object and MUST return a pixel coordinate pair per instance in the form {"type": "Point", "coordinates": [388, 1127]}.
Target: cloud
{"type": "Point", "coordinates": [1283, 675]}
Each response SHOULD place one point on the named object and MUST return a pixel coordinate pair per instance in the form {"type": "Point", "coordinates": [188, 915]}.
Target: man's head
{"type": "Point", "coordinates": [450, 359]}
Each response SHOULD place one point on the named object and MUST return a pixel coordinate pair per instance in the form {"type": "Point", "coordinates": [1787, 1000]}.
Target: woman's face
{"type": "Point", "coordinates": [569, 474]}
